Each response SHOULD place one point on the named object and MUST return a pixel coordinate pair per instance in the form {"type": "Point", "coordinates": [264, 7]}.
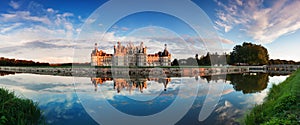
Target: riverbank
{"type": "Point", "coordinates": [281, 106]}
{"type": "Point", "coordinates": [18, 111]}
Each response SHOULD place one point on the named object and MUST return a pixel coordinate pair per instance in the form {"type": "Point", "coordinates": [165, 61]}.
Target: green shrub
{"type": "Point", "coordinates": [18, 111]}
{"type": "Point", "coordinates": [3, 120]}
{"type": "Point", "coordinates": [276, 121]}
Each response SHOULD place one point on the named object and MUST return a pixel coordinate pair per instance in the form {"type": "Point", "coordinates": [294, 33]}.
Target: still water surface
{"type": "Point", "coordinates": [80, 100]}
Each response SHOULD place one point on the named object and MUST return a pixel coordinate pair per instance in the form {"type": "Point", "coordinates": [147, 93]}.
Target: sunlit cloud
{"type": "Point", "coordinates": [263, 23]}
{"type": "Point", "coordinates": [226, 41]}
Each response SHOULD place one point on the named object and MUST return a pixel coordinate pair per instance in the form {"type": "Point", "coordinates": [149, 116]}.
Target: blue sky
{"type": "Point", "coordinates": [44, 30]}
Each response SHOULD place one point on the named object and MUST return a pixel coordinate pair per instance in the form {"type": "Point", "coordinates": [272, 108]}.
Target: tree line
{"type": "Point", "coordinates": [204, 60]}
{"type": "Point", "coordinates": [278, 62]}
{"type": "Point", "coordinates": [245, 54]}
{"type": "Point", "coordinates": [14, 62]}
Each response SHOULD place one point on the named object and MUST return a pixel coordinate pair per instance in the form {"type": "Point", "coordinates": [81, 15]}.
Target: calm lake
{"type": "Point", "coordinates": [81, 100]}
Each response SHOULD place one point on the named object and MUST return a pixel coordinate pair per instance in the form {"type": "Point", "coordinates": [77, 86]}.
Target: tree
{"type": "Point", "coordinates": [191, 61]}
{"type": "Point", "coordinates": [278, 61]}
{"type": "Point", "coordinates": [175, 62]}
{"type": "Point", "coordinates": [205, 60]}
{"type": "Point", "coordinates": [249, 54]}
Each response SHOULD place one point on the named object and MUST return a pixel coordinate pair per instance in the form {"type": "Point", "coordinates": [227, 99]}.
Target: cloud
{"type": "Point", "coordinates": [62, 21]}
{"type": "Point", "coordinates": [67, 14]}
{"type": "Point", "coordinates": [50, 10]}
{"type": "Point", "coordinates": [226, 41]}
{"type": "Point", "coordinates": [53, 51]}
{"type": "Point", "coordinates": [20, 16]}
{"type": "Point", "coordinates": [9, 28]}
{"type": "Point", "coordinates": [43, 44]}
{"type": "Point", "coordinates": [7, 49]}
{"type": "Point", "coordinates": [35, 17]}
{"type": "Point", "coordinates": [227, 113]}
{"type": "Point", "coordinates": [262, 23]}
{"type": "Point", "coordinates": [69, 30]}
{"type": "Point", "coordinates": [66, 59]}
{"type": "Point", "coordinates": [37, 23]}
{"type": "Point", "coordinates": [124, 28]}
{"type": "Point", "coordinates": [239, 2]}
{"type": "Point", "coordinates": [90, 20]}
{"type": "Point", "coordinates": [226, 27]}
{"type": "Point", "coordinates": [14, 4]}
{"type": "Point", "coordinates": [28, 34]}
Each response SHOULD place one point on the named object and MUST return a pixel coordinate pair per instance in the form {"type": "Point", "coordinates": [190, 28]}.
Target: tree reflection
{"type": "Point", "coordinates": [248, 83]}
{"type": "Point", "coordinates": [4, 73]}
{"type": "Point", "coordinates": [245, 82]}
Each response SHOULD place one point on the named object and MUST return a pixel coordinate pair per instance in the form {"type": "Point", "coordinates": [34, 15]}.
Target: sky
{"type": "Point", "coordinates": [66, 30]}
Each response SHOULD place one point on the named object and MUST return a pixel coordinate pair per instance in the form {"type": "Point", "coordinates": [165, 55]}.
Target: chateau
{"type": "Point", "coordinates": [130, 55]}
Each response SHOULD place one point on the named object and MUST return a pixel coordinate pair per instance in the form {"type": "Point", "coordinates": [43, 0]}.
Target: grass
{"type": "Point", "coordinates": [18, 111]}
{"type": "Point", "coordinates": [281, 106]}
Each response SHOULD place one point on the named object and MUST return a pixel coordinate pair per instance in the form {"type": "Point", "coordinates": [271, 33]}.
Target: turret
{"type": "Point", "coordinates": [142, 47]}
{"type": "Point", "coordinates": [145, 50]}
{"type": "Point", "coordinates": [165, 46]}
{"type": "Point", "coordinates": [119, 45]}
{"type": "Point", "coordinates": [114, 49]}
{"type": "Point", "coordinates": [96, 46]}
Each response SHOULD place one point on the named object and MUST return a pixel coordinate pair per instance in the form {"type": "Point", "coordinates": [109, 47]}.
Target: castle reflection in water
{"type": "Point", "coordinates": [244, 82]}
{"type": "Point", "coordinates": [130, 85]}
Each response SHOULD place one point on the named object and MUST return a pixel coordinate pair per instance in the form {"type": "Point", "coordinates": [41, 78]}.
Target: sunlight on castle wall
{"type": "Point", "coordinates": [130, 55]}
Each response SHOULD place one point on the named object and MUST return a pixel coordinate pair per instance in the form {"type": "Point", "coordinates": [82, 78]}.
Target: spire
{"type": "Point", "coordinates": [96, 46]}
{"type": "Point", "coordinates": [142, 45]}
{"type": "Point", "coordinates": [119, 44]}
{"type": "Point", "coordinates": [165, 46]}
{"type": "Point", "coordinates": [114, 49]}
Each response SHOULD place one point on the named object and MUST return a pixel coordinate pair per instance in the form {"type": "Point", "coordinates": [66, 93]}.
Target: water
{"type": "Point", "coordinates": [82, 100]}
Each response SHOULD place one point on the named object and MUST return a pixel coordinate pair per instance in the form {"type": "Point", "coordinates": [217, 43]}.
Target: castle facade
{"type": "Point", "coordinates": [130, 55]}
